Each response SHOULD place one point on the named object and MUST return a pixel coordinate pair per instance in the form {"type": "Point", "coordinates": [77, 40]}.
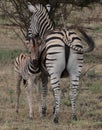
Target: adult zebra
{"type": "Point", "coordinates": [64, 52]}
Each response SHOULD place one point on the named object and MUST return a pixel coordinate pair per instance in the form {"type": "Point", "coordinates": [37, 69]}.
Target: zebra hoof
{"type": "Point", "coordinates": [74, 118]}
{"type": "Point", "coordinates": [17, 111]}
{"type": "Point", "coordinates": [44, 111]}
{"type": "Point", "coordinates": [30, 117]}
{"type": "Point", "coordinates": [55, 120]}
{"type": "Point", "coordinates": [53, 110]}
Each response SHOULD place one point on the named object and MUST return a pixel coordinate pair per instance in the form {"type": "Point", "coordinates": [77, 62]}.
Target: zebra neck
{"type": "Point", "coordinates": [43, 37]}
{"type": "Point", "coordinates": [44, 34]}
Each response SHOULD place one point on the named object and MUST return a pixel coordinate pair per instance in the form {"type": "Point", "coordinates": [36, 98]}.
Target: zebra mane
{"type": "Point", "coordinates": [39, 7]}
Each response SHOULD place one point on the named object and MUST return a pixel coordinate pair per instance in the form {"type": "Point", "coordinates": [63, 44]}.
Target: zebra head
{"type": "Point", "coordinates": [40, 21]}
{"type": "Point", "coordinates": [33, 49]}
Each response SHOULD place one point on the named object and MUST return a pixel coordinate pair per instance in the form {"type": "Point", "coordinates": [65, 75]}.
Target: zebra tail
{"type": "Point", "coordinates": [88, 40]}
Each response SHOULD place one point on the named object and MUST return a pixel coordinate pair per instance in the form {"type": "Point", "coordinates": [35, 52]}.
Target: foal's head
{"type": "Point", "coordinates": [33, 49]}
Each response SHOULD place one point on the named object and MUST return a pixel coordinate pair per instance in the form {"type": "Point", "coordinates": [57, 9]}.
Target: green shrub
{"type": "Point", "coordinates": [98, 29]}
{"type": "Point", "coordinates": [96, 87]}
{"type": "Point", "coordinates": [66, 102]}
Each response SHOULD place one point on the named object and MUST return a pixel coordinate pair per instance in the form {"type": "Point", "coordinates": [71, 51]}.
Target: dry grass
{"type": "Point", "coordinates": [89, 106]}
{"type": "Point", "coordinates": [8, 38]}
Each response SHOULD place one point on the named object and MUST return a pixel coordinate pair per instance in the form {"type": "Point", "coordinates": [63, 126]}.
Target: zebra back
{"type": "Point", "coordinates": [20, 62]}
{"type": "Point", "coordinates": [71, 39]}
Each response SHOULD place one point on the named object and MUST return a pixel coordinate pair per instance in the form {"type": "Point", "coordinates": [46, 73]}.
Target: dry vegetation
{"type": "Point", "coordinates": [89, 102]}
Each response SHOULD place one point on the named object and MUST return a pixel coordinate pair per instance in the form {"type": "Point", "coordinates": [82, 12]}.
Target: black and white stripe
{"type": "Point", "coordinates": [64, 52]}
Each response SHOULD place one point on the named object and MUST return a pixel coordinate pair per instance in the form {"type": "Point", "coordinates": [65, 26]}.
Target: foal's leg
{"type": "Point", "coordinates": [37, 85]}
{"type": "Point", "coordinates": [29, 93]}
{"type": "Point", "coordinates": [18, 90]}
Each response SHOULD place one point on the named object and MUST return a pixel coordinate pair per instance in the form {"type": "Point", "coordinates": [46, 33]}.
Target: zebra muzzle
{"type": "Point", "coordinates": [35, 63]}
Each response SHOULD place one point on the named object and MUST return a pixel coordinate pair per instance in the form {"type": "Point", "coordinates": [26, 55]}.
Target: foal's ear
{"type": "Point", "coordinates": [27, 43]}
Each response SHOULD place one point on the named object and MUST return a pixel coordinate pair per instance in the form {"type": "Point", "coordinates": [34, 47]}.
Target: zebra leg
{"type": "Point", "coordinates": [55, 64]}
{"type": "Point", "coordinates": [29, 94]}
{"type": "Point", "coordinates": [57, 104]}
{"type": "Point", "coordinates": [73, 94]}
{"type": "Point", "coordinates": [55, 83]}
{"type": "Point", "coordinates": [74, 67]}
{"type": "Point", "coordinates": [44, 93]}
{"type": "Point", "coordinates": [37, 83]}
{"type": "Point", "coordinates": [18, 90]}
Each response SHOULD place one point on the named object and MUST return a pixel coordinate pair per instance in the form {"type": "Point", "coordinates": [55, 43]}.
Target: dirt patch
{"type": "Point", "coordinates": [98, 42]}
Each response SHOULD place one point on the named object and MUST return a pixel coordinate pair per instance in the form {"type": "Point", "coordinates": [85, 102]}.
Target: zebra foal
{"type": "Point", "coordinates": [64, 53]}
{"type": "Point", "coordinates": [26, 68]}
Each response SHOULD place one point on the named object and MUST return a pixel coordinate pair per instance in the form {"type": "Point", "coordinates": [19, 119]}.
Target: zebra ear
{"type": "Point", "coordinates": [28, 45]}
{"type": "Point", "coordinates": [31, 8]}
{"type": "Point", "coordinates": [48, 7]}
{"type": "Point", "coordinates": [26, 42]}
